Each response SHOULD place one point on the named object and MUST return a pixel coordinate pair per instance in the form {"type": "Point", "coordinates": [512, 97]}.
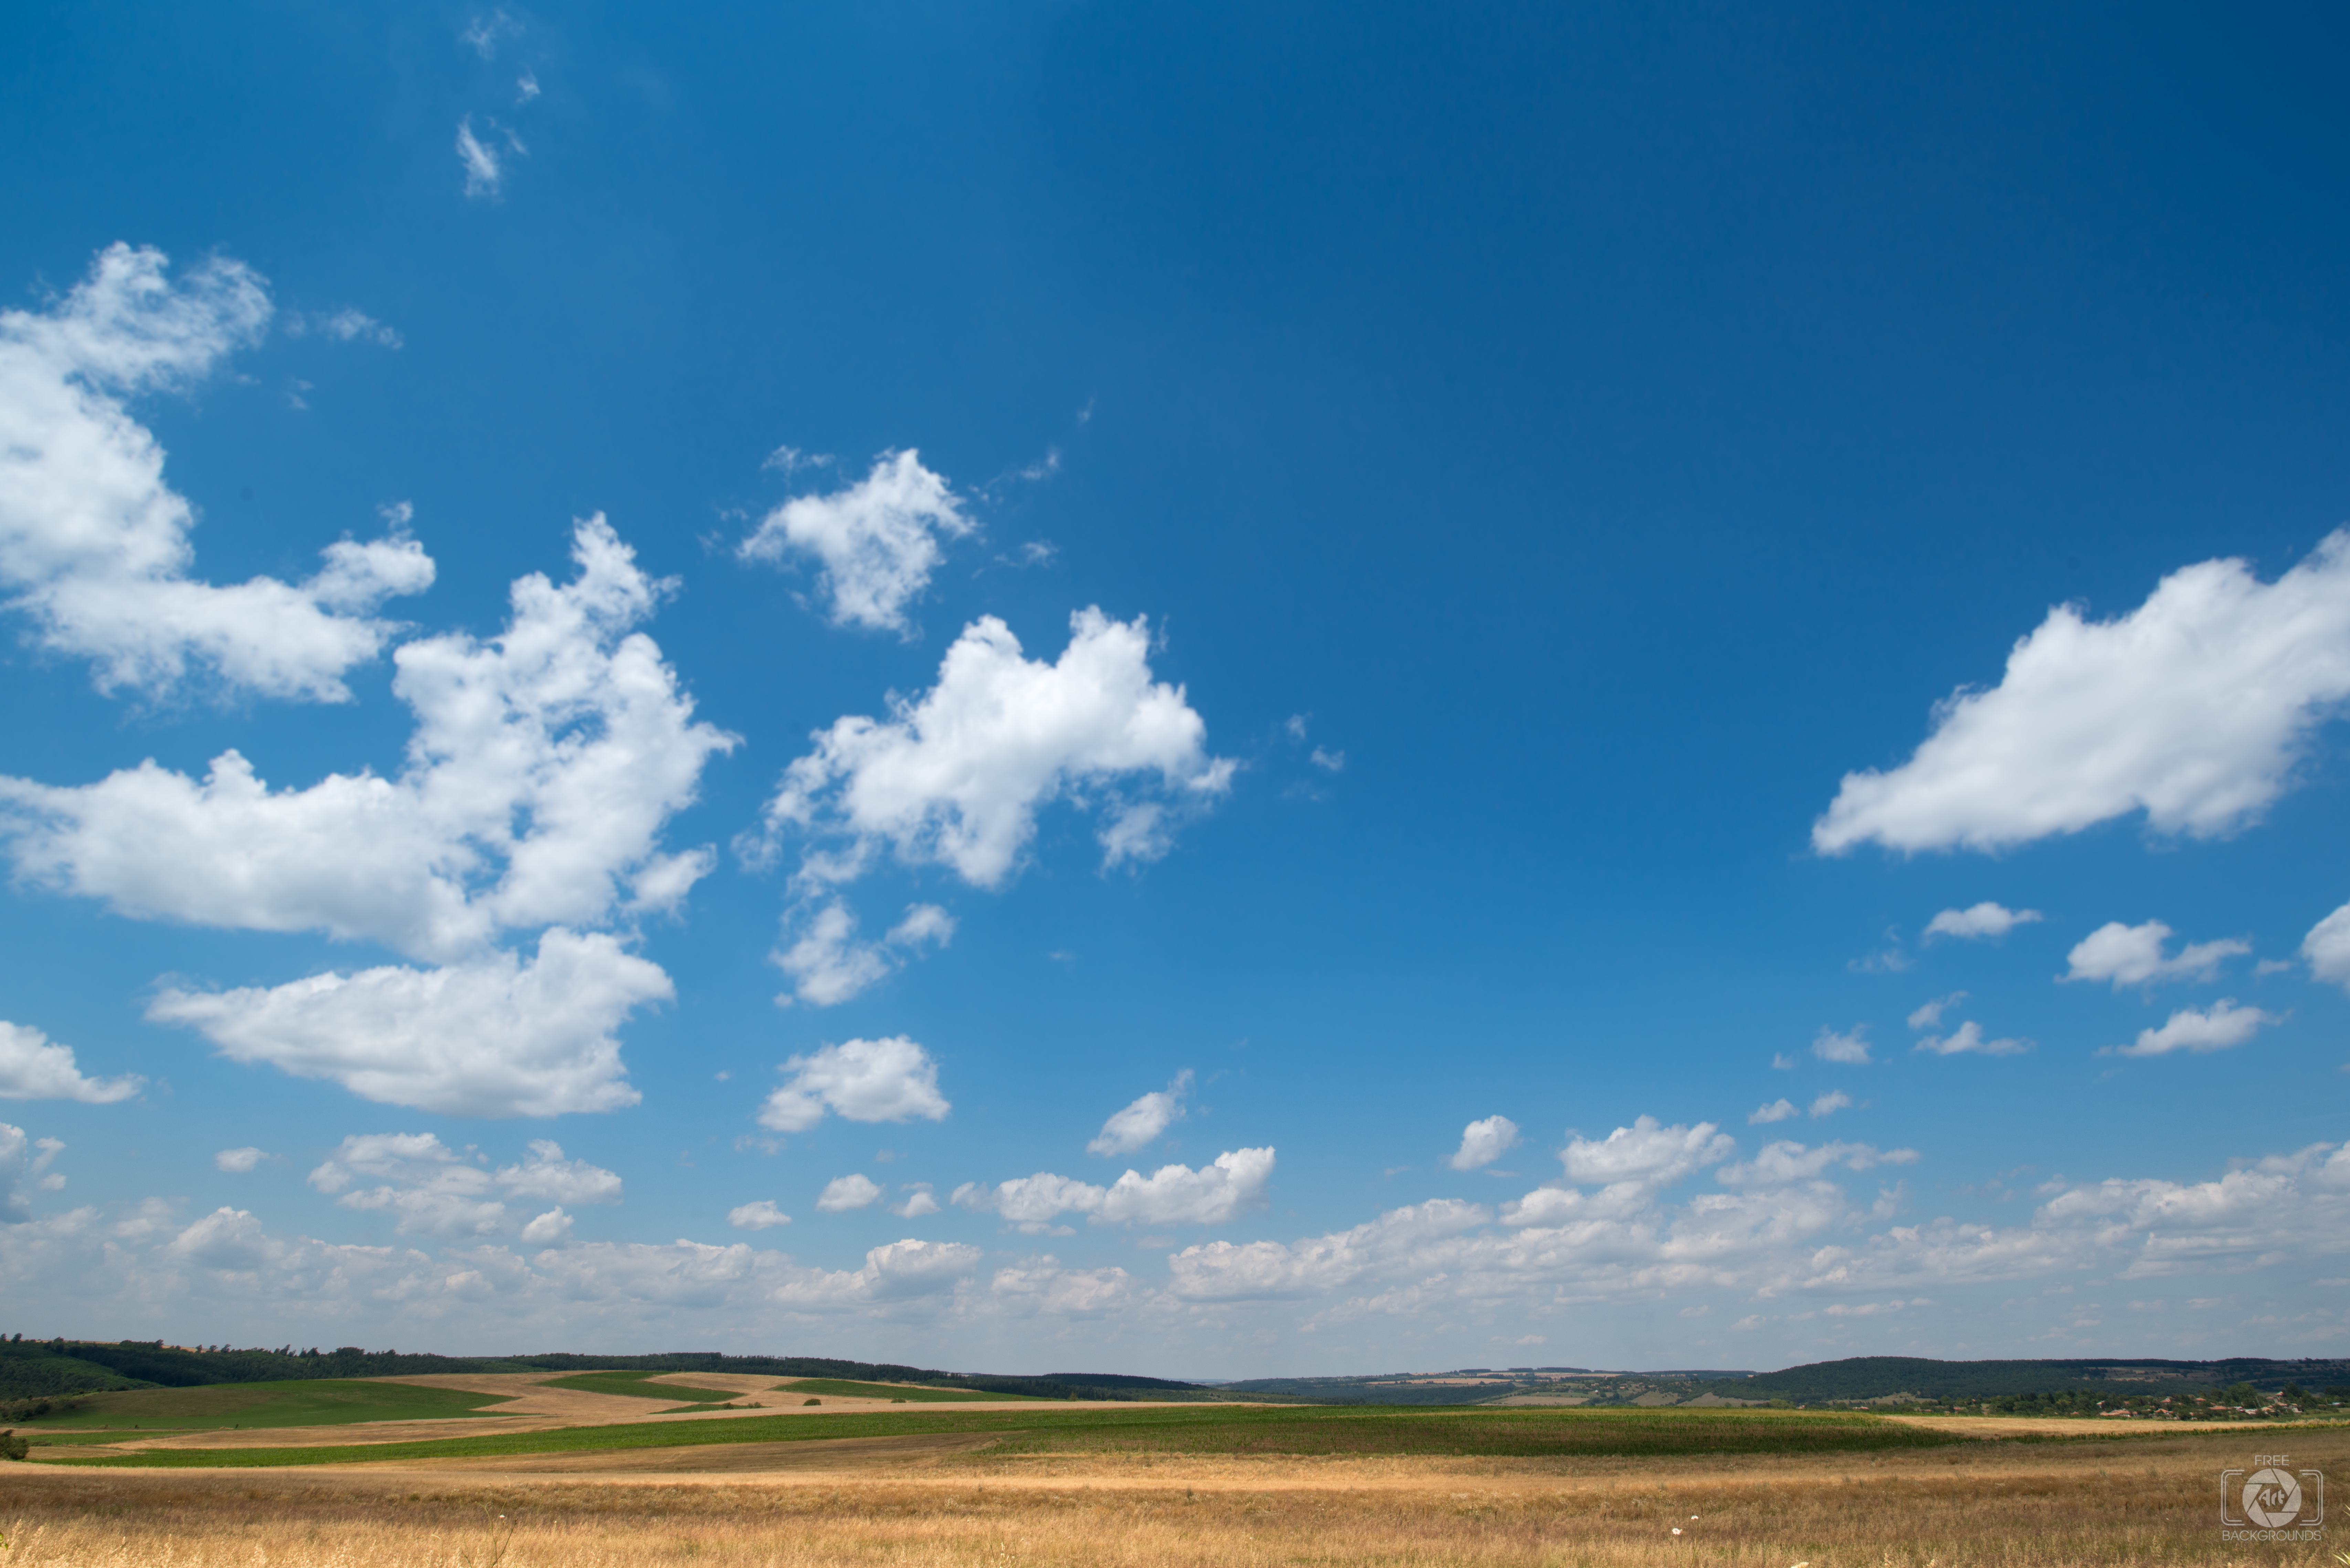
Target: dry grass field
{"type": "Point", "coordinates": [926, 1500]}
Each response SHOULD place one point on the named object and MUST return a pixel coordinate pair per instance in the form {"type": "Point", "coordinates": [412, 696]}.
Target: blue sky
{"type": "Point", "coordinates": [1601, 687]}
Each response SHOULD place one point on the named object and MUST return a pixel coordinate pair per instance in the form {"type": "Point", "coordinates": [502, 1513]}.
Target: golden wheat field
{"type": "Point", "coordinates": [922, 1502]}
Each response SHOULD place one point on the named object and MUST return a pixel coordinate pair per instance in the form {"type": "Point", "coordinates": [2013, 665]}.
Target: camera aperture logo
{"type": "Point", "coordinates": [2272, 1501]}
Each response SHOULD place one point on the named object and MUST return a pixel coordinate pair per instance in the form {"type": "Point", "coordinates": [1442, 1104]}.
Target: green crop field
{"type": "Point", "coordinates": [318, 1402]}
{"type": "Point", "coordinates": [633, 1384]}
{"type": "Point", "coordinates": [1186, 1429]}
{"type": "Point", "coordinates": [845, 1390]}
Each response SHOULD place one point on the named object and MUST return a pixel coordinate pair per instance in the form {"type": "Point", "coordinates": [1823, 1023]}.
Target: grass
{"type": "Point", "coordinates": [843, 1388]}
{"type": "Point", "coordinates": [1192, 1429]}
{"type": "Point", "coordinates": [314, 1402]}
{"type": "Point", "coordinates": [635, 1385]}
{"type": "Point", "coordinates": [2139, 1502]}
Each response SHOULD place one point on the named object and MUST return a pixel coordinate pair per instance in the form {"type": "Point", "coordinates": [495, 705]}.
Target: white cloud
{"type": "Point", "coordinates": [1967, 1039]}
{"type": "Point", "coordinates": [1141, 1122]}
{"type": "Point", "coordinates": [843, 1193]}
{"type": "Point", "coordinates": [917, 1203]}
{"type": "Point", "coordinates": [1785, 1163]}
{"type": "Point", "coordinates": [22, 1162]}
{"type": "Point", "coordinates": [1929, 1014]}
{"type": "Point", "coordinates": [900, 1269]}
{"type": "Point", "coordinates": [1786, 1236]}
{"type": "Point", "coordinates": [2327, 947]}
{"type": "Point", "coordinates": [877, 539]}
{"type": "Point", "coordinates": [1178, 1195]}
{"type": "Point", "coordinates": [484, 175]}
{"type": "Point", "coordinates": [890, 1080]}
{"type": "Point", "coordinates": [434, 1190]}
{"type": "Point", "coordinates": [2226, 1025]}
{"type": "Point", "coordinates": [560, 748]}
{"type": "Point", "coordinates": [543, 767]}
{"type": "Point", "coordinates": [1645, 1154]}
{"type": "Point", "coordinates": [349, 325]}
{"type": "Point", "coordinates": [526, 86]}
{"type": "Point", "coordinates": [499, 1037]}
{"type": "Point", "coordinates": [1336, 761]}
{"type": "Point", "coordinates": [33, 1067]}
{"type": "Point", "coordinates": [2195, 708]}
{"type": "Point", "coordinates": [94, 546]}
{"type": "Point", "coordinates": [1172, 1195]}
{"type": "Point", "coordinates": [240, 1161]}
{"type": "Point", "coordinates": [761, 1215]}
{"type": "Point", "coordinates": [957, 776]}
{"type": "Point", "coordinates": [1778, 1110]}
{"type": "Point", "coordinates": [551, 1229]}
{"type": "Point", "coordinates": [1984, 919]}
{"type": "Point", "coordinates": [2132, 955]}
{"type": "Point", "coordinates": [1834, 1100]}
{"type": "Point", "coordinates": [1850, 1049]}
{"type": "Point", "coordinates": [483, 35]}
{"type": "Point", "coordinates": [828, 965]}
{"type": "Point", "coordinates": [1483, 1142]}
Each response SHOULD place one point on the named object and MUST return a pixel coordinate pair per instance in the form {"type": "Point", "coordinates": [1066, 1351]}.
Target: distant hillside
{"type": "Point", "coordinates": [29, 1368]}
{"type": "Point", "coordinates": [1880, 1376]}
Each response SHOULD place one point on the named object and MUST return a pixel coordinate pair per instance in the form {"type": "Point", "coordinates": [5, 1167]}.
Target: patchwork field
{"type": "Point", "coordinates": [309, 1402]}
{"type": "Point", "coordinates": [1066, 1488]}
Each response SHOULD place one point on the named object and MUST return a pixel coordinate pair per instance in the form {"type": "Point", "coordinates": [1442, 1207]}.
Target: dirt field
{"type": "Point", "coordinates": [905, 1502]}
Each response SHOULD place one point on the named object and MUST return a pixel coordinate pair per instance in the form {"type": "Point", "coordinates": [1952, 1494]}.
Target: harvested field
{"type": "Point", "coordinates": [923, 1501]}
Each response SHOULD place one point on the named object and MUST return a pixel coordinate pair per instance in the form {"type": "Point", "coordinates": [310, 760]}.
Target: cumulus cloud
{"type": "Point", "coordinates": [1849, 1049]}
{"type": "Point", "coordinates": [877, 540]}
{"type": "Point", "coordinates": [891, 1080]}
{"type": "Point", "coordinates": [1778, 1110]}
{"type": "Point", "coordinates": [2223, 1027]}
{"type": "Point", "coordinates": [761, 1215]}
{"type": "Point", "coordinates": [843, 1193]}
{"type": "Point", "coordinates": [1483, 1142]}
{"type": "Point", "coordinates": [1785, 1230]}
{"type": "Point", "coordinates": [2194, 707]}
{"type": "Point", "coordinates": [1929, 1015]}
{"type": "Point", "coordinates": [828, 965]}
{"type": "Point", "coordinates": [1645, 1153]}
{"type": "Point", "coordinates": [24, 1160]}
{"type": "Point", "coordinates": [1984, 919]}
{"type": "Point", "coordinates": [551, 1229]}
{"type": "Point", "coordinates": [1966, 1039]}
{"type": "Point", "coordinates": [542, 768]}
{"type": "Point", "coordinates": [957, 776]}
{"type": "Point", "coordinates": [499, 1037]}
{"type": "Point", "coordinates": [240, 1161]}
{"type": "Point", "coordinates": [432, 1189]}
{"type": "Point", "coordinates": [2132, 955]}
{"type": "Point", "coordinates": [1827, 1105]}
{"type": "Point", "coordinates": [917, 1203]}
{"type": "Point", "coordinates": [33, 1067]}
{"type": "Point", "coordinates": [1171, 1195]}
{"type": "Point", "coordinates": [1142, 1121]}
{"type": "Point", "coordinates": [94, 545]}
{"type": "Point", "coordinates": [1784, 1163]}
{"type": "Point", "coordinates": [2327, 947]}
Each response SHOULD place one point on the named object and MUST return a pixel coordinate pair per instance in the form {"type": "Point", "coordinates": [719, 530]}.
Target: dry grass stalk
{"type": "Point", "coordinates": [2140, 1501]}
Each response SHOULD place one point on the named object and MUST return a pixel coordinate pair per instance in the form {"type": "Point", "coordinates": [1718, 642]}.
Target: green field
{"type": "Point", "coordinates": [1188, 1429]}
{"type": "Point", "coordinates": [319, 1402]}
{"type": "Point", "coordinates": [843, 1388]}
{"type": "Point", "coordinates": [633, 1384]}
